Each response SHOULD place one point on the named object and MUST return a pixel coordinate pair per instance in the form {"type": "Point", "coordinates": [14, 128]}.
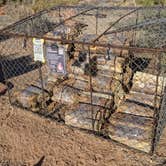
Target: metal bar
{"type": "Point", "coordinates": [39, 14]}
{"type": "Point", "coordinates": [134, 32]}
{"type": "Point", "coordinates": [112, 25]}
{"type": "Point", "coordinates": [5, 81]}
{"type": "Point", "coordinates": [42, 83]}
{"type": "Point", "coordinates": [62, 22]}
{"type": "Point", "coordinates": [138, 26]}
{"type": "Point", "coordinates": [91, 90]}
{"type": "Point", "coordinates": [97, 15]}
{"type": "Point", "coordinates": [156, 112]}
{"type": "Point", "coordinates": [65, 41]}
{"type": "Point", "coordinates": [42, 12]}
{"type": "Point", "coordinates": [59, 13]}
{"type": "Point", "coordinates": [26, 19]}
{"type": "Point", "coordinates": [113, 7]}
{"type": "Point", "coordinates": [96, 22]}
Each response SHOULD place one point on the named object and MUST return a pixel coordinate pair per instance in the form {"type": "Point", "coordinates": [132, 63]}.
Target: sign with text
{"type": "Point", "coordinates": [38, 50]}
{"type": "Point", "coordinates": [56, 59]}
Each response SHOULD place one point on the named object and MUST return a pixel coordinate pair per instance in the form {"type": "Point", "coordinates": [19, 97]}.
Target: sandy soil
{"type": "Point", "coordinates": [26, 138]}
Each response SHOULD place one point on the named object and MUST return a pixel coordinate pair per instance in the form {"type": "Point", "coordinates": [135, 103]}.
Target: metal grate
{"type": "Point", "coordinates": [115, 59]}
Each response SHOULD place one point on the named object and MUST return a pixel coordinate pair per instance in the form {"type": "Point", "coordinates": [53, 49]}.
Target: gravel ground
{"type": "Point", "coordinates": [26, 138]}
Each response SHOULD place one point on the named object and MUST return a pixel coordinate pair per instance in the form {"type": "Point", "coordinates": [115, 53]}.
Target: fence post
{"type": "Point", "coordinates": [42, 83]}
{"type": "Point", "coordinates": [4, 77]}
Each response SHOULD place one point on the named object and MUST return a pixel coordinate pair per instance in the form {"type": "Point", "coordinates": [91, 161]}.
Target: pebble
{"type": "Point", "coordinates": [3, 88]}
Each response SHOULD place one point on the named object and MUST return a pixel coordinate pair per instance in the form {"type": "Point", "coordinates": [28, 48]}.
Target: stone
{"type": "Point", "coordinates": [3, 88]}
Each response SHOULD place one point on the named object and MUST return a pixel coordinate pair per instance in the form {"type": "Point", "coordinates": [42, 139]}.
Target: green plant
{"type": "Point", "coordinates": [151, 2]}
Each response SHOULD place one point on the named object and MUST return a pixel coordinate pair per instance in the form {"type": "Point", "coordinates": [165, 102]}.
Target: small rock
{"type": "Point", "coordinates": [3, 89]}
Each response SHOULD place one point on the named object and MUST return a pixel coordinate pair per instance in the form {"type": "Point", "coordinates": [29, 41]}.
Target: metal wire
{"type": "Point", "coordinates": [127, 77]}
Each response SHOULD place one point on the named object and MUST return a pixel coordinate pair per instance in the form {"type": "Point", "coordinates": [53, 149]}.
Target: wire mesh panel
{"type": "Point", "coordinates": [114, 77]}
{"type": "Point", "coordinates": [161, 118]}
{"type": "Point", "coordinates": [18, 67]}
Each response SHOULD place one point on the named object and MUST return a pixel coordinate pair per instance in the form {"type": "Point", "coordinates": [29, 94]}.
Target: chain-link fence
{"type": "Point", "coordinates": [104, 70]}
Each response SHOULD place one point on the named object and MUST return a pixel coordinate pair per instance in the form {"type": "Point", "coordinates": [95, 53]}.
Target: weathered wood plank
{"type": "Point", "coordinates": [31, 97]}
{"type": "Point", "coordinates": [70, 95]}
{"type": "Point", "coordinates": [136, 109]}
{"type": "Point", "coordinates": [131, 120]}
{"type": "Point", "coordinates": [26, 99]}
{"type": "Point", "coordinates": [118, 92]}
{"type": "Point", "coordinates": [100, 99]}
{"type": "Point", "coordinates": [144, 99]}
{"type": "Point", "coordinates": [81, 84]}
{"type": "Point", "coordinates": [66, 95]}
{"type": "Point", "coordinates": [133, 143]}
{"type": "Point", "coordinates": [147, 83]}
{"type": "Point", "coordinates": [47, 85]}
{"type": "Point", "coordinates": [82, 117]}
{"type": "Point", "coordinates": [109, 66]}
{"type": "Point", "coordinates": [100, 83]}
{"type": "Point", "coordinates": [134, 131]}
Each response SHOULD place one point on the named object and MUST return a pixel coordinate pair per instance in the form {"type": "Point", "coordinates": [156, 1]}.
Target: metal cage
{"type": "Point", "coordinates": [116, 57]}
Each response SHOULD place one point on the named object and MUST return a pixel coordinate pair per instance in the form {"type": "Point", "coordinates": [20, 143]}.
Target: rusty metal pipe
{"type": "Point", "coordinates": [106, 45]}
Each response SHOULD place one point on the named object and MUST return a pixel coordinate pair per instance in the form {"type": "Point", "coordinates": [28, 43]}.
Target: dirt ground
{"type": "Point", "coordinates": [26, 139]}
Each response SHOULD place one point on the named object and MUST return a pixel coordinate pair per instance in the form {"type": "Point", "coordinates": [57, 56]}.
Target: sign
{"type": "Point", "coordinates": [38, 50]}
{"type": "Point", "coordinates": [56, 59]}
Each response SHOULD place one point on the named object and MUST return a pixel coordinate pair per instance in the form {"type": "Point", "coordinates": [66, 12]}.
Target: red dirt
{"type": "Point", "coordinates": [3, 88]}
{"type": "Point", "coordinates": [25, 138]}
{"type": "Point", "coordinates": [2, 12]}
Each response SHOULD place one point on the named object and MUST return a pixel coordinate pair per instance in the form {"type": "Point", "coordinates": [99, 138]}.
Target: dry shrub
{"type": "Point", "coordinates": [17, 11]}
{"type": "Point", "coordinates": [44, 4]}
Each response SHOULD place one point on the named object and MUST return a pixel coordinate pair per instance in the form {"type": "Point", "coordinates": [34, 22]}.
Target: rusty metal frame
{"type": "Point", "coordinates": [158, 51]}
{"type": "Point", "coordinates": [112, 25]}
{"type": "Point", "coordinates": [89, 7]}
{"type": "Point", "coordinates": [135, 27]}
{"type": "Point", "coordinates": [66, 41]}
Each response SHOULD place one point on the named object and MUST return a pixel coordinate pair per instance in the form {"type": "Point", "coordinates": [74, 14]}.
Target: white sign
{"type": "Point", "coordinates": [56, 59]}
{"type": "Point", "coordinates": [38, 50]}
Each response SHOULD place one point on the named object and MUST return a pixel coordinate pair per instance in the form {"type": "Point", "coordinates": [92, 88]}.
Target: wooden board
{"type": "Point", "coordinates": [31, 96]}
{"type": "Point", "coordinates": [102, 83]}
{"type": "Point", "coordinates": [142, 98]}
{"type": "Point", "coordinates": [99, 83]}
{"type": "Point", "coordinates": [131, 120]}
{"type": "Point", "coordinates": [38, 91]}
{"type": "Point", "coordinates": [80, 84]}
{"type": "Point", "coordinates": [135, 109]}
{"type": "Point", "coordinates": [108, 67]}
{"type": "Point", "coordinates": [118, 91]}
{"type": "Point", "coordinates": [47, 85]}
{"type": "Point", "coordinates": [133, 143]}
{"type": "Point", "coordinates": [147, 83]}
{"type": "Point", "coordinates": [72, 96]}
{"type": "Point", "coordinates": [134, 131]}
{"type": "Point", "coordinates": [112, 64]}
{"type": "Point", "coordinates": [82, 117]}
{"type": "Point", "coordinates": [66, 95]}
{"type": "Point", "coordinates": [26, 99]}
{"type": "Point", "coordinates": [100, 99]}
